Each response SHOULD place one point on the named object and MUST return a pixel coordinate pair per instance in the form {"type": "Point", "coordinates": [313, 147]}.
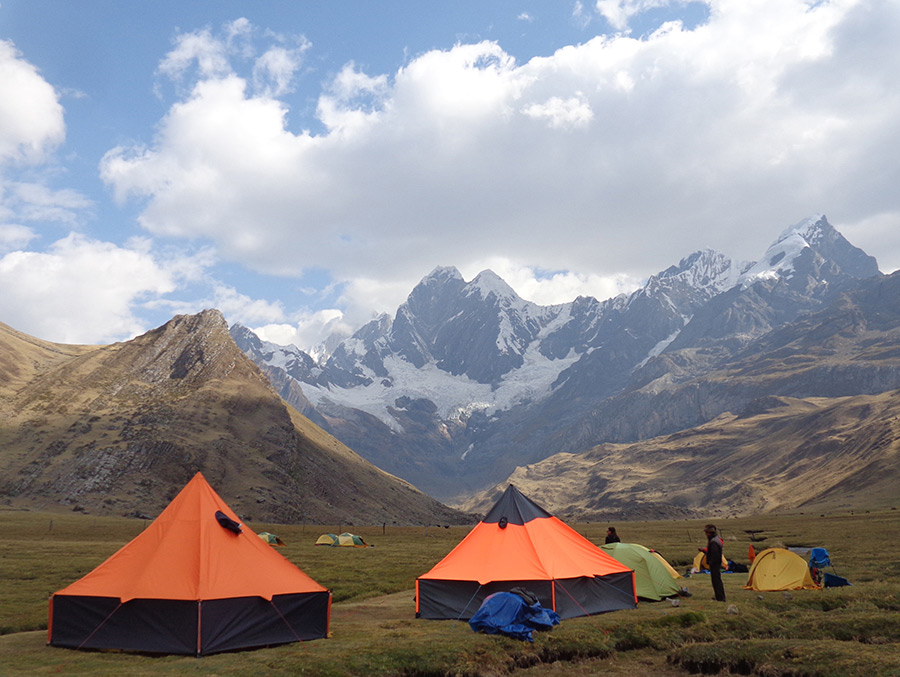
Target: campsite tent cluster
{"type": "Point", "coordinates": [344, 540]}
{"type": "Point", "coordinates": [194, 582]}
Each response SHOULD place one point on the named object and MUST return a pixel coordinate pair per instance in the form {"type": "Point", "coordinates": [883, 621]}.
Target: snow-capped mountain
{"type": "Point", "coordinates": [468, 380]}
{"type": "Point", "coordinates": [811, 242]}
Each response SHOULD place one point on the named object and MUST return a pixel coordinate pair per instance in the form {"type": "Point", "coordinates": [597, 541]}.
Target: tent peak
{"type": "Point", "coordinates": [513, 507]}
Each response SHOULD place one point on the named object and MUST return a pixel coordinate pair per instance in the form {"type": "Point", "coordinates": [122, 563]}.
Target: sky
{"type": "Point", "coordinates": [302, 165]}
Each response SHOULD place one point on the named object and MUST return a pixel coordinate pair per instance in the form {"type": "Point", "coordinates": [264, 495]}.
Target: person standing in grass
{"type": "Point", "coordinates": [714, 547]}
{"type": "Point", "coordinates": [612, 536]}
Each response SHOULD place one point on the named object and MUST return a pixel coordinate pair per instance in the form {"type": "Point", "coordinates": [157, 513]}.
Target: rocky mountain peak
{"type": "Point", "coordinates": [705, 269]}
{"type": "Point", "coordinates": [186, 348]}
{"type": "Point", "coordinates": [487, 284]}
{"type": "Point", "coordinates": [813, 230]}
{"type": "Point", "coordinates": [811, 243]}
{"type": "Point", "coordinates": [441, 275]}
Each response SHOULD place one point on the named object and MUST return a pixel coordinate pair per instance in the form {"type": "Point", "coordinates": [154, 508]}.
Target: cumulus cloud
{"type": "Point", "coordinates": [37, 202]}
{"type": "Point", "coordinates": [31, 117]}
{"type": "Point", "coordinates": [552, 287]}
{"type": "Point", "coordinates": [309, 330]}
{"type": "Point", "coordinates": [607, 160]}
{"type": "Point", "coordinates": [14, 236]}
{"type": "Point", "coordinates": [86, 290]}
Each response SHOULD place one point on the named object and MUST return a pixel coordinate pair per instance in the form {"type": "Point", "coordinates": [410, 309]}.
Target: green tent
{"type": "Point", "coordinates": [270, 538]}
{"type": "Point", "coordinates": [651, 578]}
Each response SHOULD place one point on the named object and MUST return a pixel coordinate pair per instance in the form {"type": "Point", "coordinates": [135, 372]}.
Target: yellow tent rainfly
{"type": "Point", "coordinates": [780, 569]}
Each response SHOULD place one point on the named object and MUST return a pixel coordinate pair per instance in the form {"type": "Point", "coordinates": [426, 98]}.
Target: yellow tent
{"type": "Point", "coordinates": [668, 566]}
{"type": "Point", "coordinates": [780, 569]}
{"type": "Point", "coordinates": [700, 563]}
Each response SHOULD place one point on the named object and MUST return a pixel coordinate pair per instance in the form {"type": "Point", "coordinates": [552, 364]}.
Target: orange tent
{"type": "Point", "coordinates": [193, 582]}
{"type": "Point", "coordinates": [519, 544]}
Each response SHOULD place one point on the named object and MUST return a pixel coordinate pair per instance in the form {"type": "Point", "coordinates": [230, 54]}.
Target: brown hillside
{"type": "Point", "coordinates": [782, 454]}
{"type": "Point", "coordinates": [23, 356]}
{"type": "Point", "coordinates": [119, 429]}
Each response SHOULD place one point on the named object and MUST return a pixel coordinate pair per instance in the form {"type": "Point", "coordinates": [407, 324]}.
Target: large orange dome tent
{"type": "Point", "coordinates": [519, 544]}
{"type": "Point", "coordinates": [193, 582]}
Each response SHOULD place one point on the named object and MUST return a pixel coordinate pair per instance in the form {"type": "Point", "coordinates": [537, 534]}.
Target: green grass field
{"type": "Point", "coordinates": [845, 631]}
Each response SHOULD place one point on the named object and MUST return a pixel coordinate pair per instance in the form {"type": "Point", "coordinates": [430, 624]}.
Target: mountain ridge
{"type": "Point", "coordinates": [505, 382]}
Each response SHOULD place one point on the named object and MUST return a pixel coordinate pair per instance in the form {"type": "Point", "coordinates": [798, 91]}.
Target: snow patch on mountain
{"type": "Point", "coordinates": [780, 258]}
{"type": "Point", "coordinates": [488, 283]}
{"type": "Point", "coordinates": [662, 345]}
{"type": "Point", "coordinates": [456, 397]}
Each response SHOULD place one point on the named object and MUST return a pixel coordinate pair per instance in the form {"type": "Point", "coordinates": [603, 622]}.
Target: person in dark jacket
{"type": "Point", "coordinates": [612, 536]}
{"type": "Point", "coordinates": [714, 547]}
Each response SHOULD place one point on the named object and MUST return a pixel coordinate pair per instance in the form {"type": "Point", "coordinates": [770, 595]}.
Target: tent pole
{"type": "Point", "coordinates": [101, 624]}
{"type": "Point", "coordinates": [466, 606]}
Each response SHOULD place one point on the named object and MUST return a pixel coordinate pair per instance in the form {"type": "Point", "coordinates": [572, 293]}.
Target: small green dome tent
{"type": "Point", "coordinates": [652, 579]}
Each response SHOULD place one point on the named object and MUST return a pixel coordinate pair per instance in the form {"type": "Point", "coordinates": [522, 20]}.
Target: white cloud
{"type": "Point", "coordinates": [571, 113]}
{"type": "Point", "coordinates": [85, 290]}
{"type": "Point", "coordinates": [551, 288]}
{"type": "Point", "coordinates": [238, 307]}
{"type": "Point", "coordinates": [31, 118]}
{"type": "Point", "coordinates": [208, 53]}
{"type": "Point", "coordinates": [609, 159]}
{"type": "Point", "coordinates": [619, 12]}
{"type": "Point", "coordinates": [308, 330]}
{"type": "Point", "coordinates": [274, 71]}
{"type": "Point", "coordinates": [14, 236]}
{"type": "Point", "coordinates": [362, 298]}
{"type": "Point", "coordinates": [38, 203]}
{"type": "Point", "coordinates": [581, 16]}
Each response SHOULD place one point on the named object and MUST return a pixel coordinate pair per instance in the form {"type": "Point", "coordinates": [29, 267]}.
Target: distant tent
{"type": "Point", "coordinates": [344, 540]}
{"type": "Point", "coordinates": [700, 563]}
{"type": "Point", "coordinates": [271, 539]}
{"type": "Point", "coordinates": [780, 569]}
{"type": "Point", "coordinates": [651, 579]}
{"type": "Point", "coordinates": [519, 544]}
{"type": "Point", "coordinates": [190, 583]}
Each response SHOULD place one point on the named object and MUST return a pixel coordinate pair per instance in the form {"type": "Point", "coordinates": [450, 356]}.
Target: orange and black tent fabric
{"type": "Point", "coordinates": [193, 582]}
{"type": "Point", "coordinates": [519, 544]}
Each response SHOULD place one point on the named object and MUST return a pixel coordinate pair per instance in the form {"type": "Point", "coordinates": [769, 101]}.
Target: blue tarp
{"type": "Point", "coordinates": [835, 581]}
{"type": "Point", "coordinates": [506, 613]}
{"type": "Point", "coordinates": [818, 557]}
